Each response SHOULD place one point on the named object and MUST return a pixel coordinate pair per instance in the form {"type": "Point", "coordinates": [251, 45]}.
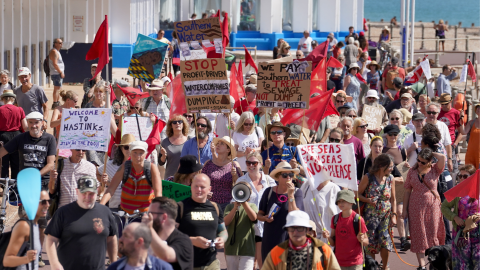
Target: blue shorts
{"type": "Point", "coordinates": [57, 80]}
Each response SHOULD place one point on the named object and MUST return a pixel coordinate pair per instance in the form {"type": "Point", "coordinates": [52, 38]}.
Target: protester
{"type": "Point", "coordinates": [89, 85]}
{"type": "Point", "coordinates": [351, 84]}
{"type": "Point", "coordinates": [433, 109]}
{"type": "Point", "coordinates": [121, 104]}
{"type": "Point", "coordinates": [472, 130]}
{"type": "Point", "coordinates": [397, 104]}
{"type": "Point", "coordinates": [423, 101]}
{"type": "Point", "coordinates": [287, 198]}
{"type": "Point", "coordinates": [139, 178]}
{"type": "Point", "coordinates": [31, 97]}
{"type": "Point", "coordinates": [98, 100]}
{"type": "Point", "coordinates": [363, 62]}
{"type": "Point", "coordinates": [377, 192]}
{"type": "Point", "coordinates": [314, 44]}
{"type": "Point", "coordinates": [364, 165]}
{"type": "Point", "coordinates": [407, 101]}
{"type": "Point", "coordinates": [240, 219]}
{"type": "Point", "coordinates": [247, 138]}
{"type": "Point", "coordinates": [57, 70]}
{"type": "Point", "coordinates": [299, 54]}
{"type": "Point", "coordinates": [350, 255]}
{"type": "Point", "coordinates": [168, 243]}
{"type": "Point", "coordinates": [172, 146]}
{"type": "Point", "coordinates": [202, 145]}
{"type": "Point", "coordinates": [284, 50]}
{"type": "Point", "coordinates": [300, 250]}
{"type": "Point", "coordinates": [465, 248]}
{"type": "Point", "coordinates": [346, 124]}
{"type": "Point", "coordinates": [5, 83]}
{"type": "Point", "coordinates": [352, 113]}
{"type": "Point", "coordinates": [272, 115]}
{"type": "Point", "coordinates": [202, 221]}
{"type": "Point", "coordinates": [12, 121]}
{"type": "Point", "coordinates": [371, 99]}
{"type": "Point", "coordinates": [338, 74]}
{"type": "Point", "coordinates": [258, 182]}
{"type": "Point", "coordinates": [389, 75]}
{"type": "Point", "coordinates": [374, 75]}
{"type": "Point", "coordinates": [360, 131]}
{"type": "Point", "coordinates": [70, 100]}
{"type": "Point", "coordinates": [222, 171]}
{"type": "Point", "coordinates": [396, 118]}
{"type": "Point", "coordinates": [440, 30]}
{"type": "Point", "coordinates": [337, 50]}
{"type": "Point", "coordinates": [161, 37]}
{"type": "Point", "coordinates": [350, 52]}
{"type": "Point", "coordinates": [276, 49]}
{"type": "Point", "coordinates": [67, 234]}
{"type": "Point", "coordinates": [443, 80]}
{"type": "Point", "coordinates": [191, 124]}
{"type": "Point", "coordinates": [249, 103]}
{"type": "Point", "coordinates": [422, 203]}
{"type": "Point", "coordinates": [413, 140]}
{"type": "Point", "coordinates": [188, 168]}
{"type": "Point", "coordinates": [452, 119]}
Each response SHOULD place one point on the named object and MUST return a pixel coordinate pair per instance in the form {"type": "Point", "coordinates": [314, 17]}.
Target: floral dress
{"type": "Point", "coordinates": [377, 218]}
{"type": "Point", "coordinates": [466, 251]}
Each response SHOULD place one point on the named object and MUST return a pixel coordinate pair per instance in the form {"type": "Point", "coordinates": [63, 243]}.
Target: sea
{"type": "Point", "coordinates": [465, 11]}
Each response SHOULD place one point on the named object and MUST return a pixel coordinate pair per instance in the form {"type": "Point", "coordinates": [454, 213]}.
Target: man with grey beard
{"type": "Point", "coordinates": [371, 99]}
{"type": "Point", "coordinates": [192, 147]}
{"type": "Point", "coordinates": [168, 243]}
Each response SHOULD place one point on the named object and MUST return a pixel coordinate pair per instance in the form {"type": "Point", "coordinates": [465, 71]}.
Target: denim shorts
{"type": "Point", "coordinates": [57, 80]}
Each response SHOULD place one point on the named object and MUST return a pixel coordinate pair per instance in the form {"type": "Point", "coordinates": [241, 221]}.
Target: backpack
{"type": "Point", "coordinates": [391, 74]}
{"type": "Point", "coordinates": [5, 240]}
{"type": "Point", "coordinates": [56, 196]}
{"type": "Point", "coordinates": [180, 205]}
{"type": "Point", "coordinates": [147, 173]}
{"type": "Point", "coordinates": [356, 222]}
{"type": "Point", "coordinates": [46, 66]}
{"type": "Point", "coordinates": [149, 99]}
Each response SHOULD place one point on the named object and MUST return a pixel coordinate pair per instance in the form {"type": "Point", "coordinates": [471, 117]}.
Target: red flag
{"type": "Point", "coordinates": [318, 53]}
{"type": "Point", "coordinates": [225, 34]}
{"type": "Point", "coordinates": [360, 78]}
{"type": "Point", "coordinates": [249, 60]}
{"type": "Point", "coordinates": [423, 67]}
{"type": "Point", "coordinates": [99, 48]}
{"type": "Point", "coordinates": [112, 95]}
{"type": "Point", "coordinates": [240, 73]}
{"type": "Point", "coordinates": [176, 61]}
{"type": "Point", "coordinates": [154, 137]}
{"type": "Point", "coordinates": [321, 106]}
{"type": "Point", "coordinates": [318, 83]}
{"type": "Point", "coordinates": [177, 97]}
{"type": "Point", "coordinates": [469, 186]}
{"type": "Point", "coordinates": [471, 71]}
{"type": "Point", "coordinates": [216, 15]}
{"type": "Point", "coordinates": [170, 76]}
{"type": "Point", "coordinates": [133, 94]}
{"type": "Point", "coordinates": [235, 90]}
{"type": "Point", "coordinates": [110, 145]}
{"type": "Point", "coordinates": [211, 53]}
{"type": "Point", "coordinates": [334, 63]}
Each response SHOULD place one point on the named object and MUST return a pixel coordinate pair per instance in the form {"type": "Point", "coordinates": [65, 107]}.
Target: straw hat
{"type": "Point", "coordinates": [353, 65]}
{"type": "Point", "coordinates": [8, 93]}
{"type": "Point", "coordinates": [156, 85]}
{"type": "Point", "coordinates": [373, 63]}
{"type": "Point", "coordinates": [283, 167]}
{"type": "Point", "coordinates": [385, 28]}
{"type": "Point", "coordinates": [334, 95]}
{"type": "Point", "coordinates": [126, 140]}
{"type": "Point", "coordinates": [229, 142]}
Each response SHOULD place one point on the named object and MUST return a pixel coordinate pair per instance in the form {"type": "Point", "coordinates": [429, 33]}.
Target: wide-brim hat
{"type": "Point", "coordinates": [253, 79]}
{"type": "Point", "coordinates": [445, 98]}
{"type": "Point", "coordinates": [373, 63]}
{"type": "Point", "coordinates": [353, 65]}
{"type": "Point", "coordinates": [283, 167]}
{"type": "Point", "coordinates": [280, 125]}
{"type": "Point", "coordinates": [156, 85]}
{"type": "Point", "coordinates": [228, 141]}
{"type": "Point", "coordinates": [189, 164]}
{"type": "Point", "coordinates": [346, 195]}
{"type": "Point", "coordinates": [385, 28]}
{"type": "Point", "coordinates": [372, 93]}
{"type": "Point", "coordinates": [127, 139]}
{"type": "Point", "coordinates": [8, 93]}
{"type": "Point", "coordinates": [334, 95]}
{"type": "Point", "coordinates": [297, 218]}
{"type": "Point", "coordinates": [407, 116]}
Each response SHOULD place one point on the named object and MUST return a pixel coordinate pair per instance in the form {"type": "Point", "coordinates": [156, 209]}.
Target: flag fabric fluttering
{"type": "Point", "coordinates": [154, 137]}
{"type": "Point", "coordinates": [334, 63]}
{"type": "Point", "coordinates": [177, 97]}
{"type": "Point", "coordinates": [471, 71]}
{"type": "Point", "coordinates": [360, 78]}
{"type": "Point", "coordinates": [321, 106]}
{"type": "Point", "coordinates": [422, 68]}
{"type": "Point", "coordinates": [469, 186]}
{"type": "Point", "coordinates": [110, 145]}
{"type": "Point", "coordinates": [133, 94]}
{"type": "Point", "coordinates": [240, 74]}
{"type": "Point", "coordinates": [318, 53]}
{"type": "Point", "coordinates": [249, 60]}
{"type": "Point", "coordinates": [99, 48]}
{"type": "Point", "coordinates": [236, 90]}
{"type": "Point", "coordinates": [319, 80]}
{"type": "Point", "coordinates": [112, 95]}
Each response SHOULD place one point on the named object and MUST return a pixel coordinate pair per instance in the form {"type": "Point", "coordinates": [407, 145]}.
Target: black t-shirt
{"type": "Point", "coordinates": [200, 219]}
{"type": "Point", "coordinates": [368, 165]}
{"type": "Point", "coordinates": [183, 247]}
{"type": "Point", "coordinates": [33, 152]}
{"type": "Point", "coordinates": [82, 235]}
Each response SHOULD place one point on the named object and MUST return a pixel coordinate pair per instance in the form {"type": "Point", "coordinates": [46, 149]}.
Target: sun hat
{"type": "Point", "coordinates": [346, 195]}
{"type": "Point", "coordinates": [156, 85]}
{"type": "Point", "coordinates": [127, 139]}
{"type": "Point", "coordinates": [385, 28]}
{"type": "Point", "coordinates": [353, 65]}
{"type": "Point", "coordinates": [8, 93]}
{"type": "Point", "coordinates": [406, 95]}
{"type": "Point", "coordinates": [87, 184]}
{"type": "Point", "coordinates": [334, 95]}
{"type": "Point", "coordinates": [445, 98]}
{"type": "Point", "coordinates": [297, 218]}
{"type": "Point", "coordinates": [283, 167]}
{"type": "Point", "coordinates": [138, 145]}
{"type": "Point", "coordinates": [23, 71]}
{"type": "Point", "coordinates": [373, 63]}
{"type": "Point", "coordinates": [228, 141]}
{"type": "Point", "coordinates": [34, 115]}
{"type": "Point", "coordinates": [189, 164]}
{"type": "Point", "coordinates": [253, 79]}
{"type": "Point", "coordinates": [407, 116]}
{"type": "Point", "coordinates": [372, 93]}
{"type": "Point", "coordinates": [280, 125]}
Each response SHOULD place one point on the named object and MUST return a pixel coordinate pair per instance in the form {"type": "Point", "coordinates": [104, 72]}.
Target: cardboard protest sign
{"type": "Point", "coordinates": [175, 191]}
{"type": "Point", "coordinates": [87, 129]}
{"type": "Point", "coordinates": [147, 59]}
{"type": "Point", "coordinates": [373, 116]}
{"type": "Point", "coordinates": [329, 161]}
{"type": "Point", "coordinates": [130, 126]}
{"type": "Point", "coordinates": [284, 85]}
{"type": "Point", "coordinates": [198, 30]}
{"type": "Point", "coordinates": [206, 85]}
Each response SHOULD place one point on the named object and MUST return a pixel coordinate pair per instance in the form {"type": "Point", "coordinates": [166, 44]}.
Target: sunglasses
{"type": "Point", "coordinates": [299, 55]}
{"type": "Point", "coordinates": [340, 101]}
{"type": "Point", "coordinates": [334, 140]}
{"type": "Point", "coordinates": [285, 175]}
{"type": "Point", "coordinates": [298, 229]}
{"type": "Point", "coordinates": [248, 124]}
{"type": "Point", "coordinates": [432, 113]}
{"type": "Point", "coordinates": [393, 119]}
{"type": "Point", "coordinates": [423, 162]}
{"type": "Point", "coordinates": [250, 163]}
{"type": "Point", "coordinates": [44, 202]}
{"type": "Point", "coordinates": [290, 144]}
{"type": "Point", "coordinates": [278, 132]}
{"type": "Point", "coordinates": [131, 108]}
{"type": "Point", "coordinates": [352, 116]}
{"type": "Point", "coordinates": [201, 125]}
{"type": "Point", "coordinates": [188, 116]}
{"type": "Point", "coordinates": [462, 176]}
{"type": "Point", "coordinates": [364, 126]}
{"type": "Point", "coordinates": [393, 134]}
{"type": "Point", "coordinates": [126, 147]}
{"type": "Point", "coordinates": [79, 150]}
{"type": "Point", "coordinates": [177, 122]}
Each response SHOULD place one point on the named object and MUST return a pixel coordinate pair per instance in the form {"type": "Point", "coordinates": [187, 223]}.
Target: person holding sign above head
{"type": "Point", "coordinates": [346, 124]}
{"type": "Point", "coordinates": [70, 100]}
{"type": "Point", "coordinates": [371, 99]}
{"type": "Point", "coordinates": [140, 180]}
{"type": "Point", "coordinates": [201, 143]}
{"type": "Point", "coordinates": [279, 151]}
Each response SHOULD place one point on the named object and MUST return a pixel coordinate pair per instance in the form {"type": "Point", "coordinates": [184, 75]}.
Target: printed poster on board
{"type": "Point", "coordinates": [193, 35]}
{"type": "Point", "coordinates": [87, 129]}
{"type": "Point", "coordinates": [130, 126]}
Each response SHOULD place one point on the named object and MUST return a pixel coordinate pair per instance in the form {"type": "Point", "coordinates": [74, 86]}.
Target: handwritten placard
{"type": "Point", "coordinates": [206, 85]}
{"type": "Point", "coordinates": [198, 30]}
{"type": "Point", "coordinates": [284, 85]}
{"type": "Point", "coordinates": [175, 191]}
{"type": "Point", "coordinates": [373, 116]}
{"type": "Point", "coordinates": [129, 126]}
{"type": "Point", "coordinates": [87, 129]}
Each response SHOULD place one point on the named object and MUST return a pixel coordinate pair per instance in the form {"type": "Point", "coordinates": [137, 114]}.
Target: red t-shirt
{"type": "Point", "coordinates": [346, 242]}
{"type": "Point", "coordinates": [247, 107]}
{"type": "Point", "coordinates": [336, 51]}
{"type": "Point", "coordinates": [401, 72]}
{"type": "Point", "coordinates": [11, 117]}
{"type": "Point", "coordinates": [451, 119]}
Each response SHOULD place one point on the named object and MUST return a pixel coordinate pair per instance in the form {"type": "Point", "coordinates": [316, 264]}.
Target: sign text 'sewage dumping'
{"type": "Point", "coordinates": [329, 161]}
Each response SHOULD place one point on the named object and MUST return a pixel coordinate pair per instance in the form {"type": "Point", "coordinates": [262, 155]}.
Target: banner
{"type": "Point", "coordinates": [329, 161]}
{"type": "Point", "coordinates": [373, 116]}
{"type": "Point", "coordinates": [284, 85]}
{"type": "Point", "coordinates": [147, 59]}
{"type": "Point", "coordinates": [129, 126]}
{"type": "Point", "coordinates": [175, 191]}
{"type": "Point", "coordinates": [87, 129]}
{"type": "Point", "coordinates": [206, 85]}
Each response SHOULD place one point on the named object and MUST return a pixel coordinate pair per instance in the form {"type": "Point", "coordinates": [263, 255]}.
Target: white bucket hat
{"type": "Point", "coordinates": [297, 218]}
{"type": "Point", "coordinates": [372, 93]}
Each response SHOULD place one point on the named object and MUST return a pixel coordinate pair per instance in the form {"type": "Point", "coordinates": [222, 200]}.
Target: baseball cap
{"type": "Point", "coordinates": [87, 184]}
{"type": "Point", "coordinates": [407, 95]}
{"type": "Point", "coordinates": [418, 116]}
{"type": "Point", "coordinates": [34, 115]}
{"type": "Point", "coordinates": [94, 65]}
{"type": "Point", "coordinates": [394, 60]}
{"type": "Point", "coordinates": [346, 195]}
{"type": "Point", "coordinates": [397, 81]}
{"type": "Point", "coordinates": [138, 145]}
{"type": "Point", "coordinates": [23, 71]}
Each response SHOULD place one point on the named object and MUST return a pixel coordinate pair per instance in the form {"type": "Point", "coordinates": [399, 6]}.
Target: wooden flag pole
{"type": "Point", "coordinates": [319, 214]}
{"type": "Point", "coordinates": [198, 145]}
{"type": "Point", "coordinates": [300, 135]}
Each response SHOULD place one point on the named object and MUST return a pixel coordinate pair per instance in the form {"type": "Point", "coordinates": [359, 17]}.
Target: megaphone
{"type": "Point", "coordinates": [241, 192]}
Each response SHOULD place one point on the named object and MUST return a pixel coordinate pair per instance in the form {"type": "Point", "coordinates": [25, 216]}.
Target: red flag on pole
{"type": "Point", "coordinates": [235, 90]}
{"type": "Point", "coordinates": [471, 71]}
{"type": "Point", "coordinates": [318, 53]}
{"type": "Point", "coordinates": [318, 83]}
{"type": "Point", "coordinates": [360, 78]}
{"type": "Point", "coordinates": [216, 14]}
{"type": "Point", "coordinates": [334, 63]}
{"type": "Point", "coordinates": [321, 106]}
{"type": "Point", "coordinates": [112, 95]}
{"type": "Point", "coordinates": [154, 137]}
{"type": "Point", "coordinates": [469, 186]}
{"type": "Point", "coordinates": [110, 145]}
{"type": "Point", "coordinates": [177, 96]}
{"type": "Point", "coordinates": [225, 34]}
{"type": "Point", "coordinates": [240, 73]}
{"type": "Point", "coordinates": [133, 94]}
{"type": "Point", "coordinates": [99, 48]}
{"type": "Point", "coordinates": [249, 60]}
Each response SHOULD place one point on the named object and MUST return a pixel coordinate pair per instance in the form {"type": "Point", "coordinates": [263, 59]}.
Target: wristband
{"type": "Point", "coordinates": [45, 121]}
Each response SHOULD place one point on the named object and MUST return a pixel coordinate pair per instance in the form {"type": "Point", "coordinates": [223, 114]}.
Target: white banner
{"type": "Point", "coordinates": [87, 129]}
{"type": "Point", "coordinates": [330, 161]}
{"type": "Point", "coordinates": [129, 126]}
{"type": "Point", "coordinates": [463, 75]}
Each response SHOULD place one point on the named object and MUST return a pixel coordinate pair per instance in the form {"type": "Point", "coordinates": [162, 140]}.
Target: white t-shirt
{"type": "Point", "coordinates": [306, 44]}
{"type": "Point", "coordinates": [412, 158]}
{"type": "Point", "coordinates": [244, 141]}
{"type": "Point", "coordinates": [446, 139]}
{"type": "Point", "coordinates": [366, 70]}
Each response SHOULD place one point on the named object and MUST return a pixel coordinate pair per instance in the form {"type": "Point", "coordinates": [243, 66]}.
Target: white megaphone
{"type": "Point", "coordinates": [241, 192]}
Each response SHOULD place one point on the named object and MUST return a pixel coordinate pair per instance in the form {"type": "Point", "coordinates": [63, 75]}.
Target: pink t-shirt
{"type": "Point", "coordinates": [346, 242]}
{"type": "Point", "coordinates": [451, 119]}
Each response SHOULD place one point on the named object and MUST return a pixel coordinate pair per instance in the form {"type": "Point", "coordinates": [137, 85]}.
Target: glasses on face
{"type": "Point", "coordinates": [126, 148]}
{"type": "Point", "coordinates": [299, 55]}
{"type": "Point", "coordinates": [250, 163]}
{"type": "Point", "coordinates": [463, 176]}
{"type": "Point", "coordinates": [334, 140]}
{"type": "Point", "coordinates": [44, 202]}
{"type": "Point", "coordinates": [177, 122]}
{"type": "Point", "coordinates": [298, 229]}
{"type": "Point", "coordinates": [188, 116]}
{"type": "Point", "coordinates": [286, 175]}
{"type": "Point", "coordinates": [422, 162]}
{"type": "Point", "coordinates": [430, 112]}
{"type": "Point", "coordinates": [364, 126]}
{"type": "Point", "coordinates": [394, 119]}
{"type": "Point", "coordinates": [80, 150]}
{"type": "Point", "coordinates": [393, 134]}
{"type": "Point", "coordinates": [248, 124]}
{"type": "Point", "coordinates": [278, 132]}
{"type": "Point", "coordinates": [131, 108]}
{"type": "Point", "coordinates": [340, 101]}
{"type": "Point", "coordinates": [201, 125]}
{"type": "Point", "coordinates": [352, 116]}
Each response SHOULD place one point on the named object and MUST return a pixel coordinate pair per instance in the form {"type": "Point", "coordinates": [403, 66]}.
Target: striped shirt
{"type": "Point", "coordinates": [68, 179]}
{"type": "Point", "coordinates": [161, 111]}
{"type": "Point", "coordinates": [136, 194]}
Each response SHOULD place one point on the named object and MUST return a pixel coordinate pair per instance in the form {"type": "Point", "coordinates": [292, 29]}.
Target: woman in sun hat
{"type": "Point", "coordinates": [352, 84]}
{"type": "Point", "coordinates": [384, 36]}
{"type": "Point", "coordinates": [374, 75]}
